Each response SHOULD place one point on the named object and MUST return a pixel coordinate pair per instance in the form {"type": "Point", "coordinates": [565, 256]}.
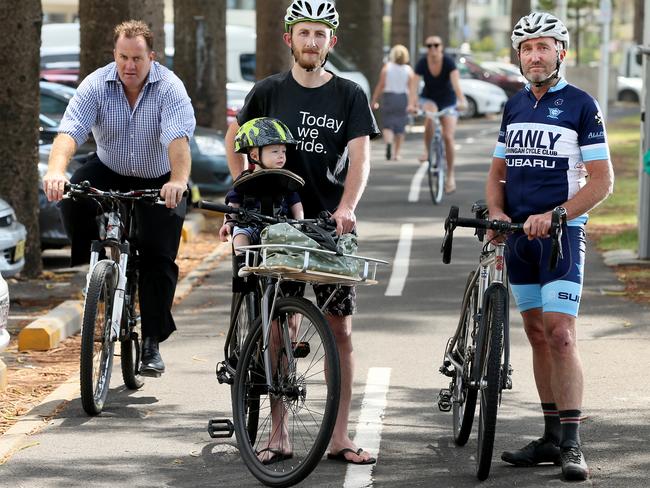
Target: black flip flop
{"type": "Point", "coordinates": [340, 456]}
{"type": "Point", "coordinates": [276, 455]}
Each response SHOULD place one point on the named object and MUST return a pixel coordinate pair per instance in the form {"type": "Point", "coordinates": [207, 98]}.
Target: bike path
{"type": "Point", "coordinates": [157, 436]}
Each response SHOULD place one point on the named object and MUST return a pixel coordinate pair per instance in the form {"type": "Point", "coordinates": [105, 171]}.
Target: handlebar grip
{"type": "Point", "coordinates": [215, 206]}
{"type": "Point", "coordinates": [448, 240]}
{"type": "Point", "coordinates": [556, 244]}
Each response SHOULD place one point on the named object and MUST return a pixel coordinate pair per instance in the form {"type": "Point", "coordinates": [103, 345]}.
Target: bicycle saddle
{"type": "Point", "coordinates": [268, 182]}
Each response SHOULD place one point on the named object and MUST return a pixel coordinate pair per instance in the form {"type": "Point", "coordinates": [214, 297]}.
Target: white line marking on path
{"type": "Point", "coordinates": [401, 262]}
{"type": "Point", "coordinates": [416, 183]}
{"type": "Point", "coordinates": [368, 431]}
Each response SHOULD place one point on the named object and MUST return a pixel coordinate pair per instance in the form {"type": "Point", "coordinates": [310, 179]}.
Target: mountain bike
{"type": "Point", "coordinates": [111, 308]}
{"type": "Point", "coordinates": [436, 160]}
{"type": "Point", "coordinates": [281, 358]}
{"type": "Point", "coordinates": [477, 356]}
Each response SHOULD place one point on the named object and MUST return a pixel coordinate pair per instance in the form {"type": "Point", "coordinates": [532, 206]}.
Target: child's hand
{"type": "Point", "coordinates": [224, 232]}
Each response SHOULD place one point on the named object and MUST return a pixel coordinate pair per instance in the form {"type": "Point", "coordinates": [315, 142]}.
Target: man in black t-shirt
{"type": "Point", "coordinates": [332, 121]}
{"type": "Point", "coordinates": [441, 90]}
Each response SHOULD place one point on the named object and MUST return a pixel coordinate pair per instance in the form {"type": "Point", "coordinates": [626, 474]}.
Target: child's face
{"type": "Point", "coordinates": [274, 156]}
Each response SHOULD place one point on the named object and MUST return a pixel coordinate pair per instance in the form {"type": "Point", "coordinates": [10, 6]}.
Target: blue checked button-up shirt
{"type": "Point", "coordinates": [131, 142]}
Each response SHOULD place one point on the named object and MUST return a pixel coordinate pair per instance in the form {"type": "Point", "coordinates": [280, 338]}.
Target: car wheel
{"type": "Point", "coordinates": [628, 96]}
{"type": "Point", "coordinates": [471, 110]}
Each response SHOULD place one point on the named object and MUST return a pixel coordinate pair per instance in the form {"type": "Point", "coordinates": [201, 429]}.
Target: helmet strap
{"type": "Point", "coordinates": [252, 160]}
{"type": "Point", "coordinates": [550, 78]}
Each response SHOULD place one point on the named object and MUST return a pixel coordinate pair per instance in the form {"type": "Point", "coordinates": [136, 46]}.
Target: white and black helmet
{"type": "Point", "coordinates": [539, 24]}
{"type": "Point", "coordinates": [322, 11]}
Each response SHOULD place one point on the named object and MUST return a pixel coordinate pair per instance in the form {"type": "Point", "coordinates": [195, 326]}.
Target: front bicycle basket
{"type": "Point", "coordinates": [287, 252]}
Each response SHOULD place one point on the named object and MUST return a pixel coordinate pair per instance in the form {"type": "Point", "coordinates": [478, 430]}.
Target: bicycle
{"type": "Point", "coordinates": [111, 308]}
{"type": "Point", "coordinates": [436, 160]}
{"type": "Point", "coordinates": [287, 358]}
{"type": "Point", "coordinates": [477, 356]}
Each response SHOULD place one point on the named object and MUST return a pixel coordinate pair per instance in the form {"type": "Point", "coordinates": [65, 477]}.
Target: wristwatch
{"type": "Point", "coordinates": [561, 211]}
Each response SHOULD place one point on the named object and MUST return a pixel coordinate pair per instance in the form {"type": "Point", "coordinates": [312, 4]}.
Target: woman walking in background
{"type": "Point", "coordinates": [393, 87]}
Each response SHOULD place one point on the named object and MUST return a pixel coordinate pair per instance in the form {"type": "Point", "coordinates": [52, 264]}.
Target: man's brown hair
{"type": "Point", "coordinates": [134, 28]}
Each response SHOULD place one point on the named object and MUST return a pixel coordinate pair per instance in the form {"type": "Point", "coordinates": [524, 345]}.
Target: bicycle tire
{"type": "Point", "coordinates": [463, 396]}
{"type": "Point", "coordinates": [436, 171]}
{"type": "Point", "coordinates": [96, 357]}
{"type": "Point", "coordinates": [131, 343]}
{"type": "Point", "coordinates": [309, 427]}
{"type": "Point", "coordinates": [494, 314]}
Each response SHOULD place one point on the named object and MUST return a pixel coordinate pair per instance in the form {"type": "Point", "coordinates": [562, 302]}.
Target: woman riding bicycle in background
{"type": "Point", "coordinates": [441, 90]}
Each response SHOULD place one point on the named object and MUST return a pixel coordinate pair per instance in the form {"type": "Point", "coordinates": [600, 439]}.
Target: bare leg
{"type": "Point", "coordinates": [399, 138]}
{"type": "Point", "coordinates": [342, 329]}
{"type": "Point", "coordinates": [542, 362]}
{"type": "Point", "coordinates": [448, 134]}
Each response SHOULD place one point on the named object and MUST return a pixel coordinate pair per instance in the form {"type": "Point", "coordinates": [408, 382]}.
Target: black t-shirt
{"type": "Point", "coordinates": [323, 120]}
{"type": "Point", "coordinates": [438, 88]}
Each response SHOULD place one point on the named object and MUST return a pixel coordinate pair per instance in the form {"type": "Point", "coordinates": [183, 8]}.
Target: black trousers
{"type": "Point", "coordinates": [158, 237]}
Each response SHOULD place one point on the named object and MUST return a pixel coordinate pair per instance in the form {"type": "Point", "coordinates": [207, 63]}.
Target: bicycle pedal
{"type": "Point", "coordinates": [223, 374]}
{"type": "Point", "coordinates": [220, 428]}
{"type": "Point", "coordinates": [444, 400]}
{"type": "Point", "coordinates": [444, 369]}
{"type": "Point", "coordinates": [300, 349]}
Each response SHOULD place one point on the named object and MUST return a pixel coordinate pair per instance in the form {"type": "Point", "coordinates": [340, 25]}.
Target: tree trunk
{"type": "Point", "coordinates": [98, 18]}
{"type": "Point", "coordinates": [638, 21]}
{"type": "Point", "coordinates": [517, 11]}
{"type": "Point", "coordinates": [360, 36]}
{"type": "Point", "coordinates": [19, 108]}
{"type": "Point", "coordinates": [272, 55]}
{"type": "Point", "coordinates": [200, 57]}
{"type": "Point", "coordinates": [436, 20]}
{"type": "Point", "coordinates": [400, 27]}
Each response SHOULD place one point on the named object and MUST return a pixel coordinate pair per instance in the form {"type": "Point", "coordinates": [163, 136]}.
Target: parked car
{"type": "Point", "coordinates": [628, 89]}
{"type": "Point", "coordinates": [469, 68]}
{"type": "Point", "coordinates": [4, 313]}
{"type": "Point", "coordinates": [12, 241]}
{"type": "Point", "coordinates": [54, 99]}
{"type": "Point", "coordinates": [235, 97]}
{"type": "Point", "coordinates": [482, 98]}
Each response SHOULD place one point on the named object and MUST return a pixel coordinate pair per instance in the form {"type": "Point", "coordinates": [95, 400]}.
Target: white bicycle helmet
{"type": "Point", "coordinates": [322, 11]}
{"type": "Point", "coordinates": [539, 24]}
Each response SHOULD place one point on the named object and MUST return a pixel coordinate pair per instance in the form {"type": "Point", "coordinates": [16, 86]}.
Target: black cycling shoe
{"type": "Point", "coordinates": [574, 466]}
{"type": "Point", "coordinates": [388, 151]}
{"type": "Point", "coordinates": [539, 451]}
{"type": "Point", "coordinates": [152, 364]}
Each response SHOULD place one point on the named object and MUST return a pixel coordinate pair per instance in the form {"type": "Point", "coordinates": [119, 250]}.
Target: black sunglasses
{"type": "Point", "coordinates": [433, 44]}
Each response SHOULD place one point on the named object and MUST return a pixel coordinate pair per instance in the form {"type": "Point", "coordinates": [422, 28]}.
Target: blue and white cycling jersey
{"type": "Point", "coordinates": [546, 145]}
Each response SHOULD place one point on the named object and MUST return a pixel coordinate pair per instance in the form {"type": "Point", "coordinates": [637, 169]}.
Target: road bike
{"type": "Point", "coordinates": [281, 358]}
{"type": "Point", "coordinates": [436, 160]}
{"type": "Point", "coordinates": [477, 356]}
{"type": "Point", "coordinates": [111, 309]}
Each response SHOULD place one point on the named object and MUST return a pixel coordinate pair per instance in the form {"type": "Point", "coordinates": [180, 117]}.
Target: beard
{"type": "Point", "coordinates": [538, 76]}
{"type": "Point", "coordinates": [305, 63]}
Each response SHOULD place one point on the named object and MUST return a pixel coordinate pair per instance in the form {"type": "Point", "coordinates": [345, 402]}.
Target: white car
{"type": "Point", "coordinates": [628, 89]}
{"type": "Point", "coordinates": [12, 241]}
{"type": "Point", "coordinates": [482, 97]}
{"type": "Point", "coordinates": [4, 313]}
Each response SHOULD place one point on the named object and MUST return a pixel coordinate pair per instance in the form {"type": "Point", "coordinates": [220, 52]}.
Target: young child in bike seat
{"type": "Point", "coordinates": [264, 140]}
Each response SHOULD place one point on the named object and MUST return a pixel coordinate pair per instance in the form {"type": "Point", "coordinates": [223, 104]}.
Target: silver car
{"type": "Point", "coordinates": [12, 241]}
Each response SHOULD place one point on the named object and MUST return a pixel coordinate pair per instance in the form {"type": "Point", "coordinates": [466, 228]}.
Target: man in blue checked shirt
{"type": "Point", "coordinates": [142, 119]}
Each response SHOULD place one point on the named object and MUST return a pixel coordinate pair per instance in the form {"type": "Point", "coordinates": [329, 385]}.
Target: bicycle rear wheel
{"type": "Point", "coordinates": [463, 396]}
{"type": "Point", "coordinates": [494, 313]}
{"type": "Point", "coordinates": [131, 340]}
{"type": "Point", "coordinates": [436, 171]}
{"type": "Point", "coordinates": [96, 360]}
{"type": "Point", "coordinates": [304, 394]}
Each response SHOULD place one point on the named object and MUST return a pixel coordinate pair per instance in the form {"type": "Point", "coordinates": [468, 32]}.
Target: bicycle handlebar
{"type": "Point", "coordinates": [244, 215]}
{"type": "Point", "coordinates": [84, 189]}
{"type": "Point", "coordinates": [501, 227]}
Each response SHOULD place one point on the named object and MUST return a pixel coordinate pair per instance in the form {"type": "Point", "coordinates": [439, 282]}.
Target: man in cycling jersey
{"type": "Point", "coordinates": [142, 119]}
{"type": "Point", "coordinates": [331, 119]}
{"type": "Point", "coordinates": [551, 154]}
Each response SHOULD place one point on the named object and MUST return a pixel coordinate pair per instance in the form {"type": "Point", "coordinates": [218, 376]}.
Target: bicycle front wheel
{"type": "Point", "coordinates": [464, 396]}
{"type": "Point", "coordinates": [436, 171]}
{"type": "Point", "coordinates": [96, 345]}
{"type": "Point", "coordinates": [494, 313]}
{"type": "Point", "coordinates": [296, 415]}
{"type": "Point", "coordinates": [131, 340]}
